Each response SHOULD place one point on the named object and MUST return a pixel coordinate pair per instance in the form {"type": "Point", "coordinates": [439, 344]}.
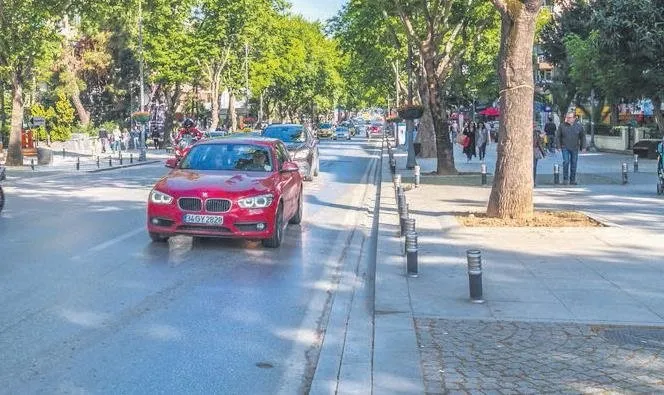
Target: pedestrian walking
{"type": "Point", "coordinates": [117, 139]}
{"type": "Point", "coordinates": [482, 139]}
{"type": "Point", "coordinates": [103, 139]}
{"type": "Point", "coordinates": [550, 130]}
{"type": "Point", "coordinates": [539, 151]}
{"type": "Point", "coordinates": [470, 147]}
{"type": "Point", "coordinates": [135, 137]}
{"type": "Point", "coordinates": [570, 138]}
{"type": "Point", "coordinates": [125, 139]}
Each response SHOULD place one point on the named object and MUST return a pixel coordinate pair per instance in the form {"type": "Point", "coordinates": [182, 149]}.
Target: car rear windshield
{"type": "Point", "coordinates": [287, 134]}
{"type": "Point", "coordinates": [239, 157]}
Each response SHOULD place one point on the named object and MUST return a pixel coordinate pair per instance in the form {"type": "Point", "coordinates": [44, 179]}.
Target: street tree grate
{"type": "Point", "coordinates": [639, 336]}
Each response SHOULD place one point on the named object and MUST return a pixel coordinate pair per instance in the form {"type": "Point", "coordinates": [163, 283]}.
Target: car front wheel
{"type": "Point", "coordinates": [277, 234]}
{"type": "Point", "coordinates": [297, 218]}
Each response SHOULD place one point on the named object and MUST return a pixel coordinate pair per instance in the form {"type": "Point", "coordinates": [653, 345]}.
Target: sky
{"type": "Point", "coordinates": [317, 9]}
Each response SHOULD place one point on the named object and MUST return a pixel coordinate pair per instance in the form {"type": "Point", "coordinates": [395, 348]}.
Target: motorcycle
{"type": "Point", "coordinates": [2, 194]}
{"type": "Point", "coordinates": [183, 145]}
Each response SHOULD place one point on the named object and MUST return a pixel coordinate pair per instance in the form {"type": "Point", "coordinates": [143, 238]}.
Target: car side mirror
{"type": "Point", "coordinates": [290, 167]}
{"type": "Point", "coordinates": [171, 163]}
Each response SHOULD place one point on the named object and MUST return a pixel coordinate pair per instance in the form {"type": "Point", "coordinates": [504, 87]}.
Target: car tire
{"type": "Point", "coordinates": [297, 218]}
{"type": "Point", "coordinates": [158, 237]}
{"type": "Point", "coordinates": [277, 235]}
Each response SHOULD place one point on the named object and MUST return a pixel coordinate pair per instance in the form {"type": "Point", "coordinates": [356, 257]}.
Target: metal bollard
{"type": "Point", "coordinates": [98, 160]}
{"type": "Point", "coordinates": [63, 153]}
{"type": "Point", "coordinates": [32, 164]}
{"type": "Point", "coordinates": [411, 254]}
{"type": "Point", "coordinates": [131, 158]}
{"type": "Point", "coordinates": [556, 174]}
{"type": "Point", "coordinates": [483, 171]}
{"type": "Point", "coordinates": [397, 180]}
{"type": "Point", "coordinates": [78, 163]}
{"type": "Point", "coordinates": [474, 258]}
{"type": "Point", "coordinates": [410, 228]}
{"type": "Point", "coordinates": [417, 175]}
{"type": "Point", "coordinates": [402, 219]}
{"type": "Point", "coordinates": [636, 163]}
{"type": "Point", "coordinates": [110, 161]}
{"type": "Point", "coordinates": [624, 173]}
{"type": "Point", "coordinates": [393, 165]}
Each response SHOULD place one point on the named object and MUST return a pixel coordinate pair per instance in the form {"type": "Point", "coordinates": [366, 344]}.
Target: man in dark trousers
{"type": "Point", "coordinates": [550, 130]}
{"type": "Point", "coordinates": [570, 138]}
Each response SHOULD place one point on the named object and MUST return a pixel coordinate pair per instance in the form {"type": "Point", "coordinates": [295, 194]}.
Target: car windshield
{"type": "Point", "coordinates": [287, 134]}
{"type": "Point", "coordinates": [239, 157]}
{"type": "Point", "coordinates": [325, 126]}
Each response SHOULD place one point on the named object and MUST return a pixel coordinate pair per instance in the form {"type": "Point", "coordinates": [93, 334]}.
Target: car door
{"type": "Point", "coordinates": [286, 182]}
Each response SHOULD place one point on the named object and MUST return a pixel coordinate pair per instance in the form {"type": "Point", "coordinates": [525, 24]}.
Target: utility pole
{"type": "Point", "coordinates": [396, 84]}
{"type": "Point", "coordinates": [592, 147]}
{"type": "Point", "coordinates": [410, 124]}
{"type": "Point", "coordinates": [140, 50]}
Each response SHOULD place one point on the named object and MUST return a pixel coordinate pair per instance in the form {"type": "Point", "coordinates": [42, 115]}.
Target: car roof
{"type": "Point", "coordinates": [286, 125]}
{"type": "Point", "coordinates": [243, 140]}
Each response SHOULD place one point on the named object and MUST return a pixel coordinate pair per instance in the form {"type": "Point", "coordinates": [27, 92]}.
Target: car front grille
{"type": "Point", "coordinates": [190, 204]}
{"type": "Point", "coordinates": [217, 205]}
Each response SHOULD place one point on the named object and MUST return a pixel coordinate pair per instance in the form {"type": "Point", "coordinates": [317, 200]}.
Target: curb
{"type": "Point", "coordinates": [149, 162]}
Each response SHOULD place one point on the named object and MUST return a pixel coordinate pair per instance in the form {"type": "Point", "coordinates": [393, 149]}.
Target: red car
{"type": "Point", "coordinates": [233, 188]}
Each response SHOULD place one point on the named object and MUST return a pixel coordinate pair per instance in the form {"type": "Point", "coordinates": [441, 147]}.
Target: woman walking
{"type": "Point", "coordinates": [482, 139]}
{"type": "Point", "coordinates": [469, 141]}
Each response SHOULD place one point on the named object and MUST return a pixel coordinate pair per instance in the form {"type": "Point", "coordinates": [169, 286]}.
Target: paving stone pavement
{"type": "Point", "coordinates": [465, 356]}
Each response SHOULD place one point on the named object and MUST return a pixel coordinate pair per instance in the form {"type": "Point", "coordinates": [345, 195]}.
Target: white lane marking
{"type": "Point", "coordinates": [116, 240]}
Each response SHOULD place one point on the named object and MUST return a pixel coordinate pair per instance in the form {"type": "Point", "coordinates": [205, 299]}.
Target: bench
{"type": "Point", "coordinates": [646, 149]}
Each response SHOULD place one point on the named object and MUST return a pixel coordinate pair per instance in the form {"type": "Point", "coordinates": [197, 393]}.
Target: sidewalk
{"type": "Point", "coordinates": [567, 310]}
{"type": "Point", "coordinates": [67, 164]}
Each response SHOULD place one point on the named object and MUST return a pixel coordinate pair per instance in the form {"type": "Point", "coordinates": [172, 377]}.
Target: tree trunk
{"type": "Point", "coordinates": [214, 92]}
{"type": "Point", "coordinates": [444, 148]}
{"type": "Point", "coordinates": [657, 112]}
{"type": "Point", "coordinates": [512, 192]}
{"type": "Point", "coordinates": [83, 114]}
{"type": "Point", "coordinates": [232, 116]}
{"type": "Point", "coordinates": [426, 135]}
{"type": "Point", "coordinates": [172, 99]}
{"type": "Point", "coordinates": [615, 113]}
{"type": "Point", "coordinates": [14, 153]}
{"type": "Point", "coordinates": [3, 114]}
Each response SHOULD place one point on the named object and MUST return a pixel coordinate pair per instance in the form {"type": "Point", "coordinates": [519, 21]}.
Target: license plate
{"type": "Point", "coordinates": [203, 219]}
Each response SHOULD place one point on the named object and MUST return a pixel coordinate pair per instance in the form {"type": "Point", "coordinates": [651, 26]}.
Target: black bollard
{"type": "Point", "coordinates": [131, 158]}
{"type": "Point", "coordinates": [32, 164]}
{"type": "Point", "coordinates": [411, 254]}
{"type": "Point", "coordinates": [98, 160]}
{"type": "Point", "coordinates": [636, 163]}
{"type": "Point", "coordinates": [63, 153]}
{"type": "Point", "coordinates": [393, 166]}
{"type": "Point", "coordinates": [110, 161]}
{"type": "Point", "coordinates": [624, 173]}
{"type": "Point", "coordinates": [403, 218]}
{"type": "Point", "coordinates": [483, 171]}
{"type": "Point", "coordinates": [474, 258]}
{"type": "Point", "coordinates": [78, 163]}
{"type": "Point", "coordinates": [556, 174]}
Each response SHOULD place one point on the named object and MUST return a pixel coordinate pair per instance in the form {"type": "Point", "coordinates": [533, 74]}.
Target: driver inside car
{"type": "Point", "coordinates": [258, 161]}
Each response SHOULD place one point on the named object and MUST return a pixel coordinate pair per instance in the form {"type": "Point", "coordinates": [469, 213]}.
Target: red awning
{"type": "Point", "coordinates": [490, 112]}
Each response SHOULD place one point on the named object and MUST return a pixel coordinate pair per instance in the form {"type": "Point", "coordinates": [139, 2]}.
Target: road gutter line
{"type": "Point", "coordinates": [116, 240]}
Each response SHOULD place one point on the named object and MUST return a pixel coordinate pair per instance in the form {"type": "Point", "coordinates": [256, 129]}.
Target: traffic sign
{"type": "Point", "coordinates": [38, 121]}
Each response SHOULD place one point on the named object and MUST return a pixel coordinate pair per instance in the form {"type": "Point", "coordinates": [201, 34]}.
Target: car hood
{"type": "Point", "coordinates": [190, 182]}
{"type": "Point", "coordinates": [295, 146]}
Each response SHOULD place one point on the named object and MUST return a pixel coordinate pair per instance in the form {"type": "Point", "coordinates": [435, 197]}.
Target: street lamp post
{"type": "Point", "coordinates": [592, 147]}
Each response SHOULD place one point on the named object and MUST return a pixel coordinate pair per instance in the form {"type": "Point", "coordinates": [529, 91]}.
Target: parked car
{"type": "Point", "coordinates": [325, 130]}
{"type": "Point", "coordinates": [342, 132]}
{"type": "Point", "coordinates": [301, 144]}
{"type": "Point", "coordinates": [231, 188]}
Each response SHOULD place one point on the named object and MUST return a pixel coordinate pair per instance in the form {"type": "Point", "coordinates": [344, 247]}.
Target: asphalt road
{"type": "Point", "coordinates": [89, 305]}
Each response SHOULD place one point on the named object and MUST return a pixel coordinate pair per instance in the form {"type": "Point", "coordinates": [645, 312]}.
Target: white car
{"type": "Point", "coordinates": [341, 132]}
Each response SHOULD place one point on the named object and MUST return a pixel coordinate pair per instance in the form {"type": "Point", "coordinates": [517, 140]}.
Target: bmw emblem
{"type": "Point", "coordinates": [205, 194]}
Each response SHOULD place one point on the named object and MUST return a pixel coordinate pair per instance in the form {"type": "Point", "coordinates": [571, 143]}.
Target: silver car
{"type": "Point", "coordinates": [341, 132]}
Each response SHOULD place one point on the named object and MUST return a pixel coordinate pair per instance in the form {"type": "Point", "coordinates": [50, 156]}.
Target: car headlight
{"type": "Point", "coordinates": [157, 197]}
{"type": "Point", "coordinates": [261, 201]}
